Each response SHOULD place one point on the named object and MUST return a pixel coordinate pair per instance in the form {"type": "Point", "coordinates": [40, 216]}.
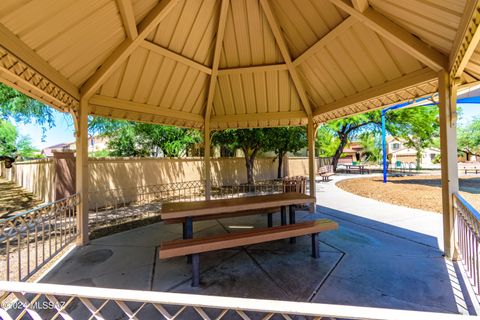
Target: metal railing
{"type": "Point", "coordinates": [467, 238]}
{"type": "Point", "coordinates": [30, 239]}
{"type": "Point", "coordinates": [50, 301]}
{"type": "Point", "coordinates": [115, 206]}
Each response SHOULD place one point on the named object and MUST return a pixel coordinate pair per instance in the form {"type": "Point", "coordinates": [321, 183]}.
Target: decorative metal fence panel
{"type": "Point", "coordinates": [50, 301]}
{"type": "Point", "coordinates": [117, 206]}
{"type": "Point", "coordinates": [29, 240]}
{"type": "Point", "coordinates": [467, 237]}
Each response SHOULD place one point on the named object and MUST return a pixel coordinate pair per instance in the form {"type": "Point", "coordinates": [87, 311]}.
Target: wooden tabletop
{"type": "Point", "coordinates": [174, 210]}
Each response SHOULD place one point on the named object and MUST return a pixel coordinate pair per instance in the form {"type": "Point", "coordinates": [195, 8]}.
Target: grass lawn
{"type": "Point", "coordinates": [421, 192]}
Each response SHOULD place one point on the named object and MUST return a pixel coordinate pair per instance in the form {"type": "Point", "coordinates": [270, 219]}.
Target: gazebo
{"type": "Point", "coordinates": [213, 65]}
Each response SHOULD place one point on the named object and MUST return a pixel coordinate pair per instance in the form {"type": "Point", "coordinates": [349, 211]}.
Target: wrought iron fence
{"type": "Point", "coordinates": [467, 237]}
{"type": "Point", "coordinates": [115, 206]}
{"type": "Point", "coordinates": [30, 239]}
{"type": "Point", "coordinates": [50, 301]}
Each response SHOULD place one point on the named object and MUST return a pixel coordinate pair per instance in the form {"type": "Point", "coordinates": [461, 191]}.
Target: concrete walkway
{"type": "Point", "coordinates": [382, 256]}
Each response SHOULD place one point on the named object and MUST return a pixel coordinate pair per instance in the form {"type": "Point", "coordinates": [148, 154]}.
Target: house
{"type": "Point", "coordinates": [397, 151]}
{"type": "Point", "coordinates": [351, 153]}
{"type": "Point", "coordinates": [95, 143]}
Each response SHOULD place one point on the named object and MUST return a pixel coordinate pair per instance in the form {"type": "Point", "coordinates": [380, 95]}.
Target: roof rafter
{"type": "Point", "coordinates": [23, 52]}
{"type": "Point", "coordinates": [467, 39]}
{"type": "Point", "coordinates": [409, 80]}
{"type": "Point", "coordinates": [175, 56]}
{"type": "Point", "coordinates": [253, 69]}
{"type": "Point", "coordinates": [397, 35]}
{"type": "Point", "coordinates": [126, 105]}
{"type": "Point", "coordinates": [125, 49]}
{"type": "Point", "coordinates": [277, 33]}
{"type": "Point", "coordinates": [360, 5]}
{"type": "Point", "coordinates": [222, 22]}
{"type": "Point", "coordinates": [126, 11]}
{"type": "Point", "coordinates": [325, 40]}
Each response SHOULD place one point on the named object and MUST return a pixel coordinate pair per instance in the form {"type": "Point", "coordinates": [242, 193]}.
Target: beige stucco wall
{"type": "Point", "coordinates": [35, 176]}
{"type": "Point", "coordinates": [125, 173]}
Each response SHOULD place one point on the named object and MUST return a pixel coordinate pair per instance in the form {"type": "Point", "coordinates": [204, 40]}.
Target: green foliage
{"type": "Point", "coordinates": [99, 154]}
{"type": "Point", "coordinates": [13, 145]}
{"type": "Point", "coordinates": [250, 141]}
{"type": "Point", "coordinates": [285, 139]}
{"type": "Point", "coordinates": [371, 143]}
{"type": "Point", "coordinates": [418, 126]}
{"type": "Point", "coordinates": [8, 138]}
{"type": "Point", "coordinates": [132, 139]}
{"type": "Point", "coordinates": [327, 142]}
{"type": "Point", "coordinates": [468, 137]}
{"type": "Point", "coordinates": [21, 108]}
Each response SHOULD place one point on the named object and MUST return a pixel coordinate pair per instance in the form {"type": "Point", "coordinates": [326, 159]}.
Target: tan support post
{"type": "Point", "coordinates": [82, 172]}
{"type": "Point", "coordinates": [448, 147]}
{"type": "Point", "coordinates": [206, 158]}
{"type": "Point", "coordinates": [311, 158]}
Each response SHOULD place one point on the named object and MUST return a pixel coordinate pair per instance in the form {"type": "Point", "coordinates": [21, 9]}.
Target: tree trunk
{"type": "Point", "coordinates": [280, 165]}
{"type": "Point", "coordinates": [419, 158]}
{"type": "Point", "coordinates": [338, 153]}
{"type": "Point", "coordinates": [249, 162]}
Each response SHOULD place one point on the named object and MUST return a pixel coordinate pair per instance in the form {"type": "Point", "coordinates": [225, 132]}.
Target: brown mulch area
{"type": "Point", "coordinates": [420, 192]}
{"type": "Point", "coordinates": [14, 199]}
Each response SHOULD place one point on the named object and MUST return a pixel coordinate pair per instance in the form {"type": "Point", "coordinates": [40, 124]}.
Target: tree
{"type": "Point", "coordinates": [285, 139]}
{"type": "Point", "coordinates": [327, 142]}
{"type": "Point", "coordinates": [8, 138]}
{"type": "Point", "coordinates": [13, 145]}
{"type": "Point", "coordinates": [347, 128]}
{"type": "Point", "coordinates": [250, 141]}
{"type": "Point", "coordinates": [371, 143]}
{"type": "Point", "coordinates": [418, 126]}
{"type": "Point", "coordinates": [21, 108]}
{"type": "Point", "coordinates": [133, 139]}
{"type": "Point", "coordinates": [468, 138]}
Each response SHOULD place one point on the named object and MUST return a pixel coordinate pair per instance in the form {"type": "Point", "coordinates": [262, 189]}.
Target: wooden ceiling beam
{"type": "Point", "coordinates": [277, 33]}
{"type": "Point", "coordinates": [222, 22]}
{"type": "Point", "coordinates": [409, 80]}
{"type": "Point", "coordinates": [253, 69]}
{"type": "Point", "coordinates": [175, 56]}
{"type": "Point", "coordinates": [128, 17]}
{"type": "Point", "coordinates": [125, 49]}
{"type": "Point", "coordinates": [19, 49]}
{"type": "Point", "coordinates": [324, 41]}
{"type": "Point", "coordinates": [397, 35]}
{"type": "Point", "coordinates": [360, 5]}
{"type": "Point", "coordinates": [266, 116]}
{"type": "Point", "coordinates": [126, 105]}
{"type": "Point", "coordinates": [467, 39]}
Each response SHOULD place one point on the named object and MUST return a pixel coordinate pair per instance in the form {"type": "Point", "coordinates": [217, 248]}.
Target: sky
{"type": "Point", "coordinates": [64, 131]}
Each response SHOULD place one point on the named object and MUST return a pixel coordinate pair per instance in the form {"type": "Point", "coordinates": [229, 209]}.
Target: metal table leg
{"type": "Point", "coordinates": [291, 210]}
{"type": "Point", "coordinates": [270, 220]}
{"type": "Point", "coordinates": [283, 215]}
{"type": "Point", "coordinates": [188, 233]}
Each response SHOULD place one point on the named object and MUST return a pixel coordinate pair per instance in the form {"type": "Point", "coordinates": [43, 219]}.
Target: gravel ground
{"type": "Point", "coordinates": [421, 192]}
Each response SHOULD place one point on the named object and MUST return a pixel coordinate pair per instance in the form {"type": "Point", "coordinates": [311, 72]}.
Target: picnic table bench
{"type": "Point", "coordinates": [187, 212]}
{"type": "Point", "coordinates": [472, 170]}
{"type": "Point", "coordinates": [194, 247]}
{"type": "Point", "coordinates": [326, 172]}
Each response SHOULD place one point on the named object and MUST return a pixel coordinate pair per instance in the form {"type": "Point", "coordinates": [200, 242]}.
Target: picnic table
{"type": "Point", "coordinates": [186, 212]}
{"type": "Point", "coordinates": [216, 208]}
{"type": "Point", "coordinates": [356, 168]}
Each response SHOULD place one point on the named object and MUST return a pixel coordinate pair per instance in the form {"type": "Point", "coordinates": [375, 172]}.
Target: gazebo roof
{"type": "Point", "coordinates": [237, 63]}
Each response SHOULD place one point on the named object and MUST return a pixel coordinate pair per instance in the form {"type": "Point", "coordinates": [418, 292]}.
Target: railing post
{"type": "Point", "coordinates": [447, 90]}
{"type": "Point", "coordinates": [81, 170]}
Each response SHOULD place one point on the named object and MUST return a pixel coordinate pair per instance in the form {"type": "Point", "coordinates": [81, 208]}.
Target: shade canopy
{"type": "Point", "coordinates": [235, 63]}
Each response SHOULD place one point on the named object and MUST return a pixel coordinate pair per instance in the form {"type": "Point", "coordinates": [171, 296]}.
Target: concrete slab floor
{"type": "Point", "coordinates": [367, 262]}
